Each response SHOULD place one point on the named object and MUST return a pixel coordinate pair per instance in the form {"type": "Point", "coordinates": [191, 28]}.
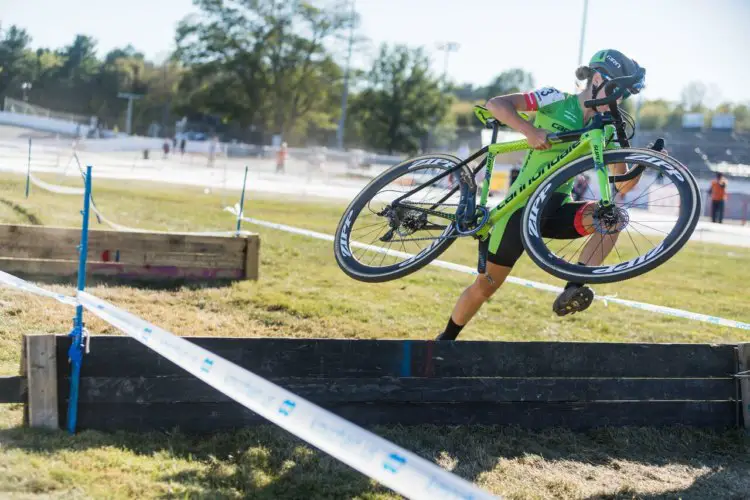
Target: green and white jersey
{"type": "Point", "coordinates": [557, 112]}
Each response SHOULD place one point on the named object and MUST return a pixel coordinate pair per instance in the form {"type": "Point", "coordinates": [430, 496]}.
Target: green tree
{"type": "Point", "coordinates": [654, 115]}
{"type": "Point", "coordinates": [742, 117]}
{"type": "Point", "coordinates": [694, 97]}
{"type": "Point", "coordinates": [262, 63]}
{"type": "Point", "coordinates": [15, 65]}
{"type": "Point", "coordinates": [402, 101]}
{"type": "Point", "coordinates": [509, 82]}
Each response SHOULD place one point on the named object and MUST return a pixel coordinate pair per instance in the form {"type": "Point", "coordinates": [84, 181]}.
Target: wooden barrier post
{"type": "Point", "coordinates": [41, 375]}
{"type": "Point", "coordinates": [48, 253]}
{"type": "Point", "coordinates": [743, 351]}
{"type": "Point", "coordinates": [252, 259]}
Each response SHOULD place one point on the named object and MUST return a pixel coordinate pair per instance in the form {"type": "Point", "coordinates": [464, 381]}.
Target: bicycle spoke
{"type": "Point", "coordinates": [614, 245]}
{"type": "Point", "coordinates": [644, 236]}
{"type": "Point", "coordinates": [646, 225]}
{"type": "Point", "coordinates": [579, 251]}
{"type": "Point", "coordinates": [631, 239]}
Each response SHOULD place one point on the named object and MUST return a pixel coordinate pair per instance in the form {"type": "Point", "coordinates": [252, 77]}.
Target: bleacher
{"type": "Point", "coordinates": [695, 148]}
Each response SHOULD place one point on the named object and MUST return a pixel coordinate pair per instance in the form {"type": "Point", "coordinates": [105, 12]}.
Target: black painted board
{"type": "Point", "coordinates": [183, 389]}
{"type": "Point", "coordinates": [212, 417]}
{"type": "Point", "coordinates": [13, 389]}
{"type": "Point", "coordinates": [341, 358]}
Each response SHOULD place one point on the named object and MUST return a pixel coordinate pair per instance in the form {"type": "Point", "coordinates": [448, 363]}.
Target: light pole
{"type": "Point", "coordinates": [345, 94]}
{"type": "Point", "coordinates": [583, 31]}
{"type": "Point", "coordinates": [130, 97]}
{"type": "Point", "coordinates": [447, 47]}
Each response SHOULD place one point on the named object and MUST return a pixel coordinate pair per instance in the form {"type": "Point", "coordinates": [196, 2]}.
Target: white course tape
{"type": "Point", "coordinates": [18, 283]}
{"type": "Point", "coordinates": [669, 311]}
{"type": "Point", "coordinates": [54, 188]}
{"type": "Point", "coordinates": [393, 466]}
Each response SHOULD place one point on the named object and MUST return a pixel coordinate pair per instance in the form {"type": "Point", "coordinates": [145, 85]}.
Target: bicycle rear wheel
{"type": "Point", "coordinates": [642, 229]}
{"type": "Point", "coordinates": [378, 240]}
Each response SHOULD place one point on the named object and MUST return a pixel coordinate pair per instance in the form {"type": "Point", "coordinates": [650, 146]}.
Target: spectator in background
{"type": "Point", "coordinates": [718, 192]}
{"type": "Point", "coordinates": [580, 187]}
{"type": "Point", "coordinates": [183, 143]}
{"type": "Point", "coordinates": [281, 155]}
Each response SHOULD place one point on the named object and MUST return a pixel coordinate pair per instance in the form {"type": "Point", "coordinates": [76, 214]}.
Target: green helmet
{"type": "Point", "coordinates": [614, 64]}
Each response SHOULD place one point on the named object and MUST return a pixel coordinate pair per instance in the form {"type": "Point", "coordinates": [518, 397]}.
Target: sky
{"type": "Point", "coordinates": [677, 41]}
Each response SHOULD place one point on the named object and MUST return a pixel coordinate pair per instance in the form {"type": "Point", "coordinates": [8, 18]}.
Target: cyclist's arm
{"type": "Point", "coordinates": [506, 107]}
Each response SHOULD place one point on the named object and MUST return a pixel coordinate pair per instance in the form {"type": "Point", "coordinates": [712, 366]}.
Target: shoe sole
{"type": "Point", "coordinates": [578, 300]}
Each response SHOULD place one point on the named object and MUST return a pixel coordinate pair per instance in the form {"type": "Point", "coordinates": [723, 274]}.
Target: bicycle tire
{"type": "Point", "coordinates": [689, 215]}
{"type": "Point", "coordinates": [342, 239]}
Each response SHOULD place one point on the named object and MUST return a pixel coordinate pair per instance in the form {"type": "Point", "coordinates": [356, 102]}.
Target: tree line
{"type": "Point", "coordinates": [251, 70]}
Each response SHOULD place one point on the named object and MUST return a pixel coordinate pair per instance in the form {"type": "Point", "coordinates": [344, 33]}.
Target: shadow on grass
{"type": "Point", "coordinates": [267, 462]}
{"type": "Point", "coordinates": [262, 462]}
{"type": "Point", "coordinates": [166, 284]}
{"type": "Point", "coordinates": [30, 218]}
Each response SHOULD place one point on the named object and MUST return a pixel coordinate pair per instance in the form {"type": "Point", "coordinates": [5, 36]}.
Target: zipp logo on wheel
{"type": "Point", "coordinates": [670, 170]}
{"type": "Point", "coordinates": [631, 263]}
{"type": "Point", "coordinates": [442, 162]}
{"type": "Point", "coordinates": [344, 239]}
{"type": "Point", "coordinates": [534, 214]}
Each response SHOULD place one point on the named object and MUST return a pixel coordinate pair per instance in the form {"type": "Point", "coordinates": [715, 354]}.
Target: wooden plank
{"type": "Point", "coordinates": [13, 389]}
{"type": "Point", "coordinates": [179, 389]}
{"type": "Point", "coordinates": [743, 357]}
{"type": "Point", "coordinates": [212, 417]}
{"type": "Point", "coordinates": [252, 257]}
{"type": "Point", "coordinates": [58, 269]}
{"type": "Point", "coordinates": [143, 254]}
{"type": "Point", "coordinates": [54, 242]}
{"type": "Point", "coordinates": [41, 364]}
{"type": "Point", "coordinates": [341, 358]}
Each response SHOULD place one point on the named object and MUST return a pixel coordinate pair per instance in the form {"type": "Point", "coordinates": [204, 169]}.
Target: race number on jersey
{"type": "Point", "coordinates": [542, 97]}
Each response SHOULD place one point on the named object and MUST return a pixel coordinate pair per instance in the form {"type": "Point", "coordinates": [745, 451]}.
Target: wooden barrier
{"type": "Point", "coordinates": [124, 385]}
{"type": "Point", "coordinates": [41, 253]}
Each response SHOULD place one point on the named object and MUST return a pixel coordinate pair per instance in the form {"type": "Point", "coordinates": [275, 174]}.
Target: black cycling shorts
{"type": "Point", "coordinates": [560, 221]}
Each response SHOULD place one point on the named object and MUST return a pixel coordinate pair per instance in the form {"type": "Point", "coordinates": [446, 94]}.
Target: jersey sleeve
{"type": "Point", "coordinates": [537, 99]}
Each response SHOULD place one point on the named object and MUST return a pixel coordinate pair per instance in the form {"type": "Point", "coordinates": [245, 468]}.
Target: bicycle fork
{"type": "Point", "coordinates": [596, 137]}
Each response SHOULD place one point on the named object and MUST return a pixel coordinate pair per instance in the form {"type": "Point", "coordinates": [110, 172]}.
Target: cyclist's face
{"type": "Point", "coordinates": [596, 81]}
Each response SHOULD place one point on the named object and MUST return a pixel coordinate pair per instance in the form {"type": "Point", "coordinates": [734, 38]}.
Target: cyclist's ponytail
{"type": "Point", "coordinates": [585, 73]}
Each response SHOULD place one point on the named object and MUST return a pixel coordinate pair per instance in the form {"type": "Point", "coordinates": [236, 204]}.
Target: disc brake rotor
{"type": "Point", "coordinates": [402, 221]}
{"type": "Point", "coordinates": [610, 219]}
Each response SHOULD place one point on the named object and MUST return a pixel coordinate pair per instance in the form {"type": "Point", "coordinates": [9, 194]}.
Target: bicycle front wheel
{"type": "Point", "coordinates": [652, 217]}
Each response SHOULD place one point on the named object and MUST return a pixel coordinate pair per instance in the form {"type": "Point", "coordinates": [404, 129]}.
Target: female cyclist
{"type": "Point", "coordinates": [555, 111]}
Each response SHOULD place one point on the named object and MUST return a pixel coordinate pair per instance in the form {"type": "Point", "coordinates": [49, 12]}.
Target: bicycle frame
{"type": "Point", "coordinates": [589, 140]}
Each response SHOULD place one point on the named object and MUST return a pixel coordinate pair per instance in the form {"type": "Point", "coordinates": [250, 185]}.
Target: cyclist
{"type": "Point", "coordinates": [555, 112]}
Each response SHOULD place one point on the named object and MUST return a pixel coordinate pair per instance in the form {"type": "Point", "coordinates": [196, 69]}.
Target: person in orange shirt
{"type": "Point", "coordinates": [281, 158]}
{"type": "Point", "coordinates": [718, 192]}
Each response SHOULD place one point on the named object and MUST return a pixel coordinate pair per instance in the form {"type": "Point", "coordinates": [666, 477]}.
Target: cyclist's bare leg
{"type": "Point", "coordinates": [578, 297]}
{"type": "Point", "coordinates": [472, 299]}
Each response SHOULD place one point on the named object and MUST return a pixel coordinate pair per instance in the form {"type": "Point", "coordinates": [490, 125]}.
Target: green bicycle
{"type": "Point", "coordinates": [414, 211]}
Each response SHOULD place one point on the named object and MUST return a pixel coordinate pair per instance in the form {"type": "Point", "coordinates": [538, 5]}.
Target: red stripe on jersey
{"type": "Point", "coordinates": [531, 103]}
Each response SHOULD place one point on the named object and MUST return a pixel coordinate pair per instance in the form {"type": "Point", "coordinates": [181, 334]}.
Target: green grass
{"type": "Point", "coordinates": [302, 293]}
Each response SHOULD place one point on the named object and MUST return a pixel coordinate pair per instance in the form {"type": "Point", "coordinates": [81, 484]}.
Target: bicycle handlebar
{"type": "Point", "coordinates": [622, 83]}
